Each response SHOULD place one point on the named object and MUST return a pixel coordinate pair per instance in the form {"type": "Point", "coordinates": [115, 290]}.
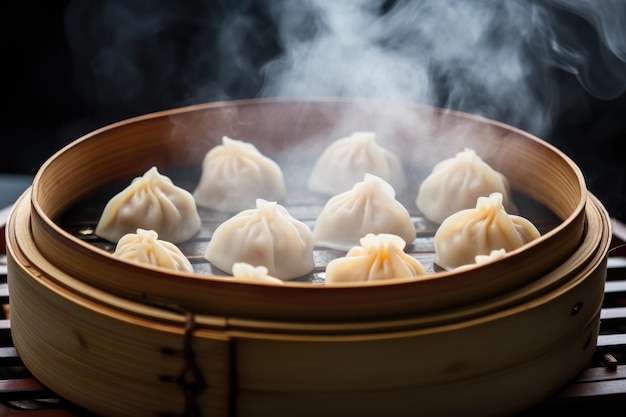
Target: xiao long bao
{"type": "Point", "coordinates": [455, 183]}
{"type": "Point", "coordinates": [144, 247]}
{"type": "Point", "coordinates": [235, 174]}
{"type": "Point", "coordinates": [244, 272]}
{"type": "Point", "coordinates": [472, 232]}
{"type": "Point", "coordinates": [380, 257]}
{"type": "Point", "coordinates": [150, 202]}
{"type": "Point", "coordinates": [493, 256]}
{"type": "Point", "coordinates": [265, 236]}
{"type": "Point", "coordinates": [346, 160]}
{"type": "Point", "coordinates": [369, 207]}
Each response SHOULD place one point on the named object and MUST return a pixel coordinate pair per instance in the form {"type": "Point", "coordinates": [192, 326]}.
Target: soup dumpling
{"type": "Point", "coordinates": [235, 174]}
{"type": "Point", "coordinates": [493, 256]}
{"type": "Point", "coordinates": [479, 231]}
{"type": "Point", "coordinates": [454, 184]}
{"type": "Point", "coordinates": [346, 160]}
{"type": "Point", "coordinates": [369, 207]}
{"type": "Point", "coordinates": [144, 247]}
{"type": "Point", "coordinates": [256, 274]}
{"type": "Point", "coordinates": [150, 202]}
{"type": "Point", "coordinates": [379, 257]}
{"type": "Point", "coordinates": [266, 235]}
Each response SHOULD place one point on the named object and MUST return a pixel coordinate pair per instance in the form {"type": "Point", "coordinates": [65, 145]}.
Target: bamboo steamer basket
{"type": "Point", "coordinates": [119, 339]}
{"type": "Point", "coordinates": [422, 135]}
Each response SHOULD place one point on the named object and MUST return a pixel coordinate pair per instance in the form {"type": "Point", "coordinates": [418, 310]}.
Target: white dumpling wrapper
{"type": "Point", "coordinates": [235, 174]}
{"type": "Point", "coordinates": [150, 202]}
{"type": "Point", "coordinates": [493, 256]}
{"type": "Point", "coordinates": [369, 207]}
{"type": "Point", "coordinates": [249, 273]}
{"type": "Point", "coordinates": [380, 257]}
{"type": "Point", "coordinates": [456, 183]}
{"type": "Point", "coordinates": [472, 232]}
{"type": "Point", "coordinates": [266, 235]}
{"type": "Point", "coordinates": [346, 160]}
{"type": "Point", "coordinates": [144, 247]}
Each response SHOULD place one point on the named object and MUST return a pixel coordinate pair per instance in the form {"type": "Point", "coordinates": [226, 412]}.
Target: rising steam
{"type": "Point", "coordinates": [499, 59]}
{"type": "Point", "coordinates": [528, 63]}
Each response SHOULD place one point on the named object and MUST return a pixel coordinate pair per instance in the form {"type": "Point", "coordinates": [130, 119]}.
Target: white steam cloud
{"type": "Point", "coordinates": [336, 49]}
{"type": "Point", "coordinates": [495, 58]}
{"type": "Point", "coordinates": [501, 59]}
{"type": "Point", "coordinates": [539, 65]}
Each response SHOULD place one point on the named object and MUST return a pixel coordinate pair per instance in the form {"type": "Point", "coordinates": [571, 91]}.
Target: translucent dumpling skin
{"type": "Point", "coordinates": [379, 257]}
{"type": "Point", "coordinates": [235, 174]}
{"type": "Point", "coordinates": [144, 247]}
{"type": "Point", "coordinates": [256, 274]}
{"type": "Point", "coordinates": [369, 207]}
{"type": "Point", "coordinates": [454, 184]}
{"type": "Point", "coordinates": [493, 256]}
{"type": "Point", "coordinates": [150, 202]}
{"type": "Point", "coordinates": [264, 236]}
{"type": "Point", "coordinates": [345, 161]}
{"type": "Point", "coordinates": [473, 232]}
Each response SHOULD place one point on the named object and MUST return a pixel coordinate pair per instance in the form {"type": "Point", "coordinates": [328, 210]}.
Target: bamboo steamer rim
{"type": "Point", "coordinates": [75, 256]}
{"type": "Point", "coordinates": [555, 359]}
{"type": "Point", "coordinates": [588, 258]}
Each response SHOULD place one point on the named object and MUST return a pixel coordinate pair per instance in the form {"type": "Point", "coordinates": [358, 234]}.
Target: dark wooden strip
{"type": "Point", "coordinates": [5, 333]}
{"type": "Point", "coordinates": [615, 387]}
{"type": "Point", "coordinates": [44, 412]}
{"type": "Point", "coordinates": [9, 357]}
{"type": "Point", "coordinates": [4, 293]}
{"type": "Point", "coordinates": [5, 326]}
{"type": "Point", "coordinates": [570, 406]}
{"type": "Point", "coordinates": [601, 373]}
{"type": "Point", "coordinates": [615, 270]}
{"type": "Point", "coordinates": [23, 389]}
{"type": "Point", "coordinates": [4, 215]}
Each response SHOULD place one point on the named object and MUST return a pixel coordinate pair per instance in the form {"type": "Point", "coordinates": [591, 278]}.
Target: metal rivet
{"type": "Point", "coordinates": [577, 307]}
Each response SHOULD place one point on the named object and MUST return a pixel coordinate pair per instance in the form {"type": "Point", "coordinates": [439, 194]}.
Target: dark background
{"type": "Point", "coordinates": [53, 91]}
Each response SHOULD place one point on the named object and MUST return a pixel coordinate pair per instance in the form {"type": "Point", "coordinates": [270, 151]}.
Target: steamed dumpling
{"type": "Point", "coordinates": [348, 159]}
{"type": "Point", "coordinates": [380, 257]}
{"type": "Point", "coordinates": [245, 272]}
{"type": "Point", "coordinates": [454, 184]}
{"type": "Point", "coordinates": [150, 202]}
{"type": "Point", "coordinates": [235, 174]}
{"type": "Point", "coordinates": [472, 232]}
{"type": "Point", "coordinates": [369, 207]}
{"type": "Point", "coordinates": [144, 247]}
{"type": "Point", "coordinates": [493, 256]}
{"type": "Point", "coordinates": [266, 235]}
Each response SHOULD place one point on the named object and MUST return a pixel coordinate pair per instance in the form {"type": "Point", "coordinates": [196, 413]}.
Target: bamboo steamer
{"type": "Point", "coordinates": [121, 358]}
{"type": "Point", "coordinates": [297, 127]}
{"type": "Point", "coordinates": [123, 340]}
